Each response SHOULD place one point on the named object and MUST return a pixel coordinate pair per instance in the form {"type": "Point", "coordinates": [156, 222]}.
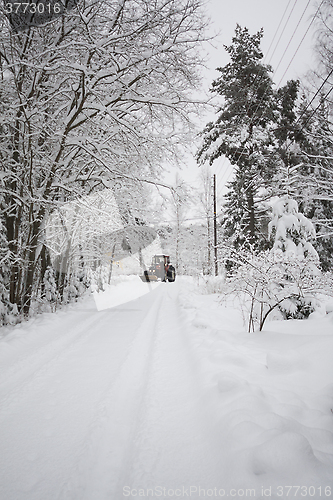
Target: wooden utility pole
{"type": "Point", "coordinates": [215, 231]}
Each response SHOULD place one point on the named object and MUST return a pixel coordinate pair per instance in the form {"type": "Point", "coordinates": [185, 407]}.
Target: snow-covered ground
{"type": "Point", "coordinates": [165, 396]}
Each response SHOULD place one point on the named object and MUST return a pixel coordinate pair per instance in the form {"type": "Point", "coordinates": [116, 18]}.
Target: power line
{"type": "Point", "coordinates": [281, 59]}
{"type": "Point", "coordinates": [229, 174]}
{"type": "Point", "coordinates": [203, 217]}
{"type": "Point", "coordinates": [277, 29]}
{"type": "Point", "coordinates": [265, 93]}
{"type": "Point", "coordinates": [261, 78]}
{"type": "Point", "coordinates": [309, 104]}
{"type": "Point", "coordinates": [306, 32]}
{"type": "Point", "coordinates": [292, 36]}
{"type": "Point", "coordinates": [225, 176]}
{"type": "Point", "coordinates": [277, 44]}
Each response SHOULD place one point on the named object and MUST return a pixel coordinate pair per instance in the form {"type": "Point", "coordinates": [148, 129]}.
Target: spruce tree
{"type": "Point", "coordinates": [257, 129]}
{"type": "Point", "coordinates": [241, 132]}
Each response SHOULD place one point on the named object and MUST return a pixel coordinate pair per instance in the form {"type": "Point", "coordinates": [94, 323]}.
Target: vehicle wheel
{"type": "Point", "coordinates": [171, 274]}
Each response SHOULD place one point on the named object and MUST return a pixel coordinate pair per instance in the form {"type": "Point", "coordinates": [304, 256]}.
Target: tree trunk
{"type": "Point", "coordinates": [45, 262]}
{"type": "Point", "coordinates": [251, 225]}
{"type": "Point", "coordinates": [209, 264]}
{"type": "Point", "coordinates": [31, 266]}
{"type": "Point", "coordinates": [12, 238]}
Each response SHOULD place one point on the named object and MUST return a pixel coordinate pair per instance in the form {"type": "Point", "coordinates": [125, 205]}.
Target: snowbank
{"type": "Point", "coordinates": [271, 395]}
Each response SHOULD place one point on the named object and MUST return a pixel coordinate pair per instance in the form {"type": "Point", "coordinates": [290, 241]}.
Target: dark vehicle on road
{"type": "Point", "coordinates": [160, 269]}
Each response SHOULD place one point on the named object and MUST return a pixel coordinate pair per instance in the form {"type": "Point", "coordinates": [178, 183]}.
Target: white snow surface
{"type": "Point", "coordinates": [165, 396]}
{"type": "Point", "coordinates": [125, 291]}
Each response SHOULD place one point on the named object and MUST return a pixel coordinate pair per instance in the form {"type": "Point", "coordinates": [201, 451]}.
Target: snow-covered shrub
{"type": "Point", "coordinates": [265, 283]}
{"type": "Point", "coordinates": [75, 286]}
{"type": "Point", "coordinates": [291, 230]}
{"type": "Point", "coordinates": [286, 279]}
{"type": "Point", "coordinates": [99, 278]}
{"type": "Point", "coordinates": [51, 295]}
{"type": "Point", "coordinates": [211, 284]}
{"type": "Point", "coordinates": [9, 314]}
{"type": "Point", "coordinates": [58, 290]}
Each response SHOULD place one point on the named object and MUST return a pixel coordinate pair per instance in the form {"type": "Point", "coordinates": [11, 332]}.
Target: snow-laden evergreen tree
{"type": "Point", "coordinates": [51, 294]}
{"type": "Point", "coordinates": [291, 230]}
{"type": "Point", "coordinates": [293, 251]}
{"type": "Point", "coordinates": [255, 130]}
{"type": "Point", "coordinates": [242, 130]}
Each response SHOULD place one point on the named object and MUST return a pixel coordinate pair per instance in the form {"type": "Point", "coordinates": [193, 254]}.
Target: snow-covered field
{"type": "Point", "coordinates": [164, 396]}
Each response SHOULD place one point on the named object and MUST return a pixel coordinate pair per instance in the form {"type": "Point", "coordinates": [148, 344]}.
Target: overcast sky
{"type": "Point", "coordinates": [287, 46]}
{"type": "Point", "coordinates": [290, 17]}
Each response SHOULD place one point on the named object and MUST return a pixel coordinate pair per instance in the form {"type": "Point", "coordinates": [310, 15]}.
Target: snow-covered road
{"type": "Point", "coordinates": [97, 404]}
{"type": "Point", "coordinates": [165, 396]}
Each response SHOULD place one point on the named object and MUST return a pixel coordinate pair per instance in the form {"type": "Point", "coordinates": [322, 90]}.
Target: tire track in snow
{"type": "Point", "coordinates": [173, 447]}
{"type": "Point", "coordinates": [150, 428]}
{"type": "Point", "coordinates": [143, 426]}
{"type": "Point", "coordinates": [23, 371]}
{"type": "Point", "coordinates": [110, 433]}
{"type": "Point", "coordinates": [23, 374]}
{"type": "Point", "coordinates": [46, 428]}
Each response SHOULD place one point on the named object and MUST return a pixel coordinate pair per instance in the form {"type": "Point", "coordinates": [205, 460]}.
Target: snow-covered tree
{"type": "Point", "coordinates": [204, 209]}
{"type": "Point", "coordinates": [258, 131]}
{"type": "Point", "coordinates": [241, 131]}
{"type": "Point", "coordinates": [50, 293]}
{"type": "Point", "coordinates": [98, 95]}
{"type": "Point", "coordinates": [323, 47]}
{"type": "Point", "coordinates": [295, 257]}
{"type": "Point", "coordinates": [180, 199]}
{"type": "Point", "coordinates": [192, 256]}
{"type": "Point", "coordinates": [315, 184]}
{"type": "Point", "coordinates": [315, 192]}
